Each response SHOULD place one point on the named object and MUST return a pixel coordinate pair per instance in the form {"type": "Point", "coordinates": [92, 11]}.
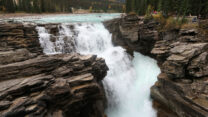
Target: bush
{"type": "Point", "coordinates": [172, 23]}
{"type": "Point", "coordinates": [132, 13]}
{"type": "Point", "coordinates": [169, 23]}
{"type": "Point", "coordinates": [159, 18]}
{"type": "Point", "coordinates": [148, 14]}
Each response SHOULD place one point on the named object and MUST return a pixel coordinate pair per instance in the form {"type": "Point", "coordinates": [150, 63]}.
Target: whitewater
{"type": "Point", "coordinates": [128, 80]}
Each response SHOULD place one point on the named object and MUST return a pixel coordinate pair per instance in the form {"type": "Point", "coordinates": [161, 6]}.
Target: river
{"type": "Point", "coordinates": [129, 79]}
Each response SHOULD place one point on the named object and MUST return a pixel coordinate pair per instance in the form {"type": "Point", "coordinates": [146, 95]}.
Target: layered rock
{"type": "Point", "coordinates": [182, 57]}
{"type": "Point", "coordinates": [36, 85]}
{"type": "Point", "coordinates": [17, 36]}
{"type": "Point", "coordinates": [133, 34]}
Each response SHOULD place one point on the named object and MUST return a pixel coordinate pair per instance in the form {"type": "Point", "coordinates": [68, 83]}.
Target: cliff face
{"type": "Point", "coordinates": [133, 34]}
{"type": "Point", "coordinates": [37, 85]}
{"type": "Point", "coordinates": [182, 56]}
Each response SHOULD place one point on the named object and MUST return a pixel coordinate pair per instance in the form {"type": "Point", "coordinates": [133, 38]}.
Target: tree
{"type": "Point", "coordinates": [128, 6]}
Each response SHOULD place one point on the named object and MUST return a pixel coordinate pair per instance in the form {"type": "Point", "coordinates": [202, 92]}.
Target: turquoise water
{"type": "Point", "coordinates": [68, 18]}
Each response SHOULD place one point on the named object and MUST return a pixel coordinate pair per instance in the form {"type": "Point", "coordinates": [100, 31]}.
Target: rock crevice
{"type": "Point", "coordinates": [182, 57]}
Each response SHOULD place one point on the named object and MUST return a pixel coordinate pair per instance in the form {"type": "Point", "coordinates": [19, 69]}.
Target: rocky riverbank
{"type": "Point", "coordinates": [36, 85]}
{"type": "Point", "coordinates": [182, 55]}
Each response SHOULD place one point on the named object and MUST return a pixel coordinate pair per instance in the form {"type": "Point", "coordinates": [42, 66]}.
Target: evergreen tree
{"type": "Point", "coordinates": [128, 6]}
{"type": "Point", "coordinates": [177, 7]}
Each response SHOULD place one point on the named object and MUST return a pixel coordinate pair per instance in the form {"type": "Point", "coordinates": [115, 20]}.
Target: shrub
{"type": "Point", "coordinates": [159, 18]}
{"type": "Point", "coordinates": [172, 23]}
{"type": "Point", "coordinates": [148, 14]}
{"type": "Point", "coordinates": [169, 23]}
{"type": "Point", "coordinates": [132, 13]}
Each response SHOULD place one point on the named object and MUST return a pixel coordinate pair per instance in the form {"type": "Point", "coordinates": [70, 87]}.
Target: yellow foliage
{"type": "Point", "coordinates": [132, 13]}
{"type": "Point", "coordinates": [149, 11]}
{"type": "Point", "coordinates": [172, 23]}
{"type": "Point", "coordinates": [159, 18]}
{"type": "Point", "coordinates": [169, 23]}
{"type": "Point", "coordinates": [90, 9]}
{"type": "Point", "coordinates": [109, 6]}
{"type": "Point", "coordinates": [124, 8]}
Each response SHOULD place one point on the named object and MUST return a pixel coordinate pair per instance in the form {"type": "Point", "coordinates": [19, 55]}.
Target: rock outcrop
{"type": "Point", "coordinates": [182, 55]}
{"type": "Point", "coordinates": [36, 85]}
{"type": "Point", "coordinates": [133, 34]}
{"type": "Point", "coordinates": [17, 36]}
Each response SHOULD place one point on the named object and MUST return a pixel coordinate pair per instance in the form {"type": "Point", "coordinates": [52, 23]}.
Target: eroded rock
{"type": "Point", "coordinates": [36, 85]}
{"type": "Point", "coordinates": [133, 34]}
{"type": "Point", "coordinates": [42, 90]}
{"type": "Point", "coordinates": [181, 89]}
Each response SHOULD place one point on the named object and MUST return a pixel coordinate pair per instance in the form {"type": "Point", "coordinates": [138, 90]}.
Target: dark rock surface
{"type": "Point", "coordinates": [182, 56]}
{"type": "Point", "coordinates": [37, 85]}
{"type": "Point", "coordinates": [17, 36]}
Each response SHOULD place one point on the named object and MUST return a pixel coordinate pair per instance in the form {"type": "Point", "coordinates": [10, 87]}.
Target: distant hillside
{"type": "Point", "coordinates": [39, 6]}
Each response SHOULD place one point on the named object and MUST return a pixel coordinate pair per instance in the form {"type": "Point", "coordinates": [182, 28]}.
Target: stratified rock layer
{"type": "Point", "coordinates": [16, 36]}
{"type": "Point", "coordinates": [133, 34]}
{"type": "Point", "coordinates": [37, 85]}
{"type": "Point", "coordinates": [182, 55]}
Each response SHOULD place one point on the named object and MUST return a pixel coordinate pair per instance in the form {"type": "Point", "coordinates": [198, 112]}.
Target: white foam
{"type": "Point", "coordinates": [128, 81]}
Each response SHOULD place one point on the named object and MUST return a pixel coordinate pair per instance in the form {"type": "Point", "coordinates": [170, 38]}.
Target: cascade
{"type": "Point", "coordinates": [128, 81]}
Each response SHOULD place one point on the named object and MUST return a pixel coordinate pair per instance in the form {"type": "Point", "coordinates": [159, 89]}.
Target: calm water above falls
{"type": "Point", "coordinates": [67, 18]}
{"type": "Point", "coordinates": [128, 81]}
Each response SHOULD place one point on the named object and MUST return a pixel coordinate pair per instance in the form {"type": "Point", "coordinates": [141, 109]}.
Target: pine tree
{"type": "Point", "coordinates": [42, 6]}
{"type": "Point", "coordinates": [128, 6]}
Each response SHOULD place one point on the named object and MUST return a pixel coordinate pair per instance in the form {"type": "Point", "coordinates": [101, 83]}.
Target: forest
{"type": "Point", "coordinates": [50, 6]}
{"type": "Point", "coordinates": [169, 7]}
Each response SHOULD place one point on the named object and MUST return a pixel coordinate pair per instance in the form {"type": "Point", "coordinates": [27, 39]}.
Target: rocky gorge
{"type": "Point", "coordinates": [33, 84]}
{"type": "Point", "coordinates": [182, 54]}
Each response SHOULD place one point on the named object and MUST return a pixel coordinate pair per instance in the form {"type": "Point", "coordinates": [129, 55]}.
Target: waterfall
{"type": "Point", "coordinates": [128, 81]}
{"type": "Point", "coordinates": [44, 38]}
{"type": "Point", "coordinates": [64, 42]}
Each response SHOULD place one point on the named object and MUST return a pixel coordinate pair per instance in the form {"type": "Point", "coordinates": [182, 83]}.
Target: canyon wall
{"type": "Point", "coordinates": [182, 54]}
{"type": "Point", "coordinates": [36, 85]}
